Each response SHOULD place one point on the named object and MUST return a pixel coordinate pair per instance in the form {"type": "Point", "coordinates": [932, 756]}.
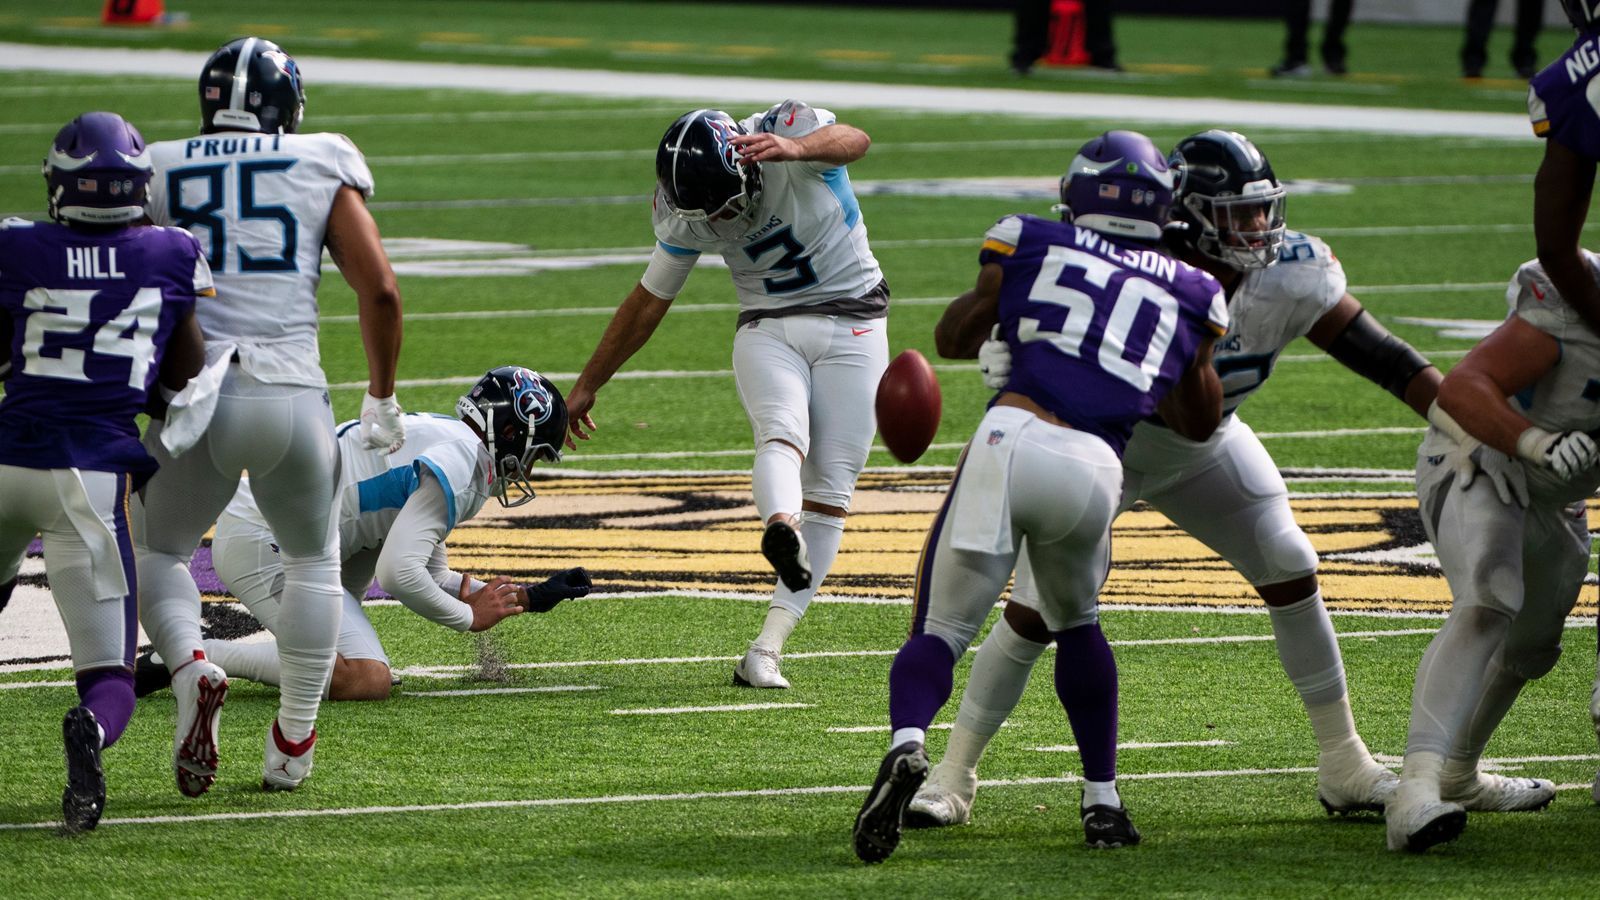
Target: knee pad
{"type": "Point", "coordinates": [316, 572]}
{"type": "Point", "coordinates": [1286, 554]}
{"type": "Point", "coordinates": [1534, 662]}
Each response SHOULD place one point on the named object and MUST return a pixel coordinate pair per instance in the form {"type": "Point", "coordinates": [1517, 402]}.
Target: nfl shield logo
{"type": "Point", "coordinates": [996, 436]}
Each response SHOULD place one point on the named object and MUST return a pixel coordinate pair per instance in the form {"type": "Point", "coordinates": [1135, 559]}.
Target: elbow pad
{"type": "Point", "coordinates": [1369, 350]}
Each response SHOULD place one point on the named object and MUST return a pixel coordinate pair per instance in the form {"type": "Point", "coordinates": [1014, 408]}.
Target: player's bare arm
{"type": "Point", "coordinates": [1352, 336]}
{"type": "Point", "coordinates": [628, 331]}
{"type": "Point", "coordinates": [1513, 357]}
{"type": "Point", "coordinates": [968, 319]}
{"type": "Point", "coordinates": [837, 144]}
{"type": "Point", "coordinates": [1193, 408]}
{"type": "Point", "coordinates": [1561, 192]}
{"type": "Point", "coordinates": [357, 249]}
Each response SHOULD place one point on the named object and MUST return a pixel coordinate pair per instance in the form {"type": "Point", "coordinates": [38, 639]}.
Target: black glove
{"type": "Point", "coordinates": [568, 585]}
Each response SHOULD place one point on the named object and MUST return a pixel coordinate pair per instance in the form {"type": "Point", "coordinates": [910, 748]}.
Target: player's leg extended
{"type": "Point", "coordinates": [1555, 560]}
{"type": "Point", "coordinates": [247, 561]}
{"type": "Point", "coordinates": [1231, 498]}
{"type": "Point", "coordinates": [774, 383]}
{"type": "Point", "coordinates": [294, 484]}
{"type": "Point", "coordinates": [1479, 542]}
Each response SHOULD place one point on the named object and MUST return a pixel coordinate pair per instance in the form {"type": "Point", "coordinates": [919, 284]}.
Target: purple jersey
{"type": "Point", "coordinates": [91, 313]}
{"type": "Point", "coordinates": [1100, 329]}
{"type": "Point", "coordinates": [1559, 103]}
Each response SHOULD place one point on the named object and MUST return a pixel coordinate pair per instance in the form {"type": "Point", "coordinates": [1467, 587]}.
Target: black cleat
{"type": "Point", "coordinates": [1106, 827]}
{"type": "Point", "coordinates": [877, 830]}
{"type": "Point", "coordinates": [149, 676]}
{"type": "Point", "coordinates": [84, 798]}
{"type": "Point", "coordinates": [786, 551]}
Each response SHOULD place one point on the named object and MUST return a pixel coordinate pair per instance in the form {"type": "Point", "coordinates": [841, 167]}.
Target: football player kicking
{"type": "Point", "coordinates": [772, 196]}
{"type": "Point", "coordinates": [1226, 490]}
{"type": "Point", "coordinates": [264, 200]}
{"type": "Point", "coordinates": [1563, 114]}
{"type": "Point", "coordinates": [395, 512]}
{"type": "Point", "coordinates": [92, 311]}
{"type": "Point", "coordinates": [1105, 329]}
{"type": "Point", "coordinates": [1515, 563]}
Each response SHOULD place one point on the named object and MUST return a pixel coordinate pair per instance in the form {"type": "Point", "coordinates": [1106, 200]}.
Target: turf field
{"type": "Point", "coordinates": [599, 749]}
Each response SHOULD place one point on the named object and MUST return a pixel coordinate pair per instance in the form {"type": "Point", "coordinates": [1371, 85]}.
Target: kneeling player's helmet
{"type": "Point", "coordinates": [1584, 14]}
{"type": "Point", "coordinates": [699, 170]}
{"type": "Point", "coordinates": [1119, 185]}
{"type": "Point", "coordinates": [98, 171]}
{"type": "Point", "coordinates": [1228, 199]}
{"type": "Point", "coordinates": [523, 420]}
{"type": "Point", "coordinates": [250, 84]}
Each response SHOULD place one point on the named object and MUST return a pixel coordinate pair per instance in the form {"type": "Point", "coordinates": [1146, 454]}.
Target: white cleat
{"type": "Point", "coordinates": [1365, 786]}
{"type": "Point", "coordinates": [759, 669]}
{"type": "Point", "coordinates": [200, 687]}
{"type": "Point", "coordinates": [1489, 792]}
{"type": "Point", "coordinates": [944, 799]}
{"type": "Point", "coordinates": [1417, 821]}
{"type": "Point", "coordinates": [287, 763]}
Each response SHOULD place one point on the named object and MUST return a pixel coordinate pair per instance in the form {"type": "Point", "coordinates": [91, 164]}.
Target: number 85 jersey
{"type": "Point", "coordinates": [1100, 329]}
{"type": "Point", "coordinates": [259, 204]}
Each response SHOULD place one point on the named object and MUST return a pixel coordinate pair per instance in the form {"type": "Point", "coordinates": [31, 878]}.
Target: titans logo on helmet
{"type": "Point", "coordinates": [723, 132]}
{"type": "Point", "coordinates": [533, 403]}
{"type": "Point", "coordinates": [285, 64]}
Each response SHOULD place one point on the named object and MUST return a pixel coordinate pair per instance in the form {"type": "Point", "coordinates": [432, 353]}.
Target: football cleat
{"type": "Point", "coordinates": [1416, 821]}
{"type": "Point", "coordinates": [287, 762]}
{"type": "Point", "coordinates": [200, 687]}
{"type": "Point", "coordinates": [782, 545]}
{"type": "Point", "coordinates": [1487, 792]}
{"type": "Point", "coordinates": [759, 669]}
{"type": "Point", "coordinates": [1343, 788]}
{"type": "Point", "coordinates": [84, 798]}
{"type": "Point", "coordinates": [946, 799]}
{"type": "Point", "coordinates": [149, 676]}
{"type": "Point", "coordinates": [877, 829]}
{"type": "Point", "coordinates": [1108, 827]}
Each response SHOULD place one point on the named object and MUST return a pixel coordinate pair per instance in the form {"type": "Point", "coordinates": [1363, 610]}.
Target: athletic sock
{"type": "Point", "coordinates": [999, 674]}
{"type": "Point", "coordinates": [1101, 793]}
{"type": "Point", "coordinates": [775, 479]}
{"type": "Point", "coordinates": [256, 662]}
{"type": "Point", "coordinates": [169, 606]}
{"type": "Point", "coordinates": [1086, 683]}
{"type": "Point", "coordinates": [780, 622]}
{"type": "Point", "coordinates": [920, 681]}
{"type": "Point", "coordinates": [1308, 649]}
{"type": "Point", "coordinates": [822, 535]}
{"type": "Point", "coordinates": [307, 632]}
{"type": "Point", "coordinates": [108, 693]}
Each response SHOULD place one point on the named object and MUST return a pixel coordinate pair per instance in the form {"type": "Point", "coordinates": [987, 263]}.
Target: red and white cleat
{"type": "Point", "coordinates": [200, 686]}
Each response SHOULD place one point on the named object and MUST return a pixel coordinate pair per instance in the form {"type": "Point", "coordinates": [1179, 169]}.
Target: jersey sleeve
{"type": "Point", "coordinates": [455, 466]}
{"type": "Point", "coordinates": [1001, 240]}
{"type": "Point", "coordinates": [1309, 280]}
{"type": "Point", "coordinates": [1534, 299]}
{"type": "Point", "coordinates": [1538, 116]}
{"type": "Point", "coordinates": [793, 119]}
{"type": "Point", "coordinates": [203, 285]}
{"type": "Point", "coordinates": [350, 167]}
{"type": "Point", "coordinates": [1217, 312]}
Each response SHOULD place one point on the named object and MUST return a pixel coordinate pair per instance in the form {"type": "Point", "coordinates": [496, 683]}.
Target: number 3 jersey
{"type": "Point", "coordinates": [259, 205]}
{"type": "Point", "coordinates": [1100, 329]}
{"type": "Point", "coordinates": [807, 242]}
{"type": "Point", "coordinates": [90, 314]}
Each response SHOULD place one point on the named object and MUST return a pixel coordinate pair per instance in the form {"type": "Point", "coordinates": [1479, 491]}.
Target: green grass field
{"type": "Point", "coordinates": [554, 792]}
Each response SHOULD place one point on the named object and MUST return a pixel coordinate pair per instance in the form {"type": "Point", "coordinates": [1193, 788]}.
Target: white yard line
{"type": "Point", "coordinates": [686, 710]}
{"type": "Point", "coordinates": [1139, 745]}
{"type": "Point", "coordinates": [482, 692]}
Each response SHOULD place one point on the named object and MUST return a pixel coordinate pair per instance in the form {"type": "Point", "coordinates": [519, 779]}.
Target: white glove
{"type": "Point", "coordinates": [1506, 474]}
{"type": "Point", "coordinates": [1567, 454]}
{"type": "Point", "coordinates": [994, 361]}
{"type": "Point", "coordinates": [381, 425]}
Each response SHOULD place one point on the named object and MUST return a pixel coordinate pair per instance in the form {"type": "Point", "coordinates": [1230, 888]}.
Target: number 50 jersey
{"type": "Point", "coordinates": [1100, 330]}
{"type": "Point", "coordinates": [259, 205]}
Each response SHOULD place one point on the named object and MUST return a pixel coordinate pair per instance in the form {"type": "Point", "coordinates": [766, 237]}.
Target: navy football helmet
{"type": "Point", "coordinates": [1228, 199]}
{"type": "Point", "coordinates": [250, 84]}
{"type": "Point", "coordinates": [698, 169]}
{"type": "Point", "coordinates": [1583, 14]}
{"type": "Point", "coordinates": [522, 419]}
{"type": "Point", "coordinates": [97, 172]}
{"type": "Point", "coordinates": [1119, 185]}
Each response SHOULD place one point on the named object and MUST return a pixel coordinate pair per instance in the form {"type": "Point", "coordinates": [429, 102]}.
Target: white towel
{"type": "Point", "coordinates": [189, 413]}
{"type": "Point", "coordinates": [110, 583]}
{"type": "Point", "coordinates": [980, 517]}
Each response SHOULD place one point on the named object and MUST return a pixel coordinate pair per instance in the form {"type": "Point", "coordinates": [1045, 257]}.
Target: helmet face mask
{"type": "Point", "coordinates": [1119, 184]}
{"type": "Point", "coordinates": [1228, 200]}
{"type": "Point", "coordinates": [522, 419]}
{"type": "Point", "coordinates": [1583, 14]}
{"type": "Point", "coordinates": [97, 172]}
{"type": "Point", "coordinates": [250, 84]}
{"type": "Point", "coordinates": [700, 174]}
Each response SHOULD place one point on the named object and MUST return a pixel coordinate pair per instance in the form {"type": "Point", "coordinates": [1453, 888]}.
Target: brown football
{"type": "Point", "coordinates": [908, 406]}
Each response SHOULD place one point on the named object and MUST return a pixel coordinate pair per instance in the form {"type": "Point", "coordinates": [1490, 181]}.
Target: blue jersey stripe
{"type": "Point", "coordinates": [838, 181]}
{"type": "Point", "coordinates": [449, 493]}
{"type": "Point", "coordinates": [677, 251]}
{"type": "Point", "coordinates": [387, 491]}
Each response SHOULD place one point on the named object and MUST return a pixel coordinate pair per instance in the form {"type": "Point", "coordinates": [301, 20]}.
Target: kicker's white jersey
{"type": "Point", "coordinates": [259, 203]}
{"type": "Point", "coordinates": [373, 486]}
{"type": "Point", "coordinates": [807, 241]}
{"type": "Point", "coordinates": [1270, 308]}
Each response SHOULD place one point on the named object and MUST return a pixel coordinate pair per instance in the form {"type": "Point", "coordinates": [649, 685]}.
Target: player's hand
{"type": "Point", "coordinates": [1510, 480]}
{"type": "Point", "coordinates": [765, 147]}
{"type": "Point", "coordinates": [1568, 454]}
{"type": "Point", "coordinates": [381, 425]}
{"type": "Point", "coordinates": [579, 402]}
{"type": "Point", "coordinates": [567, 585]}
{"type": "Point", "coordinates": [494, 601]}
{"type": "Point", "coordinates": [994, 361]}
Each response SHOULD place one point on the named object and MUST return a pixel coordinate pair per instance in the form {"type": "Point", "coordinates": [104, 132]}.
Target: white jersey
{"type": "Point", "coordinates": [373, 486]}
{"type": "Point", "coordinates": [1270, 308]}
{"type": "Point", "coordinates": [259, 205]}
{"type": "Point", "coordinates": [807, 242]}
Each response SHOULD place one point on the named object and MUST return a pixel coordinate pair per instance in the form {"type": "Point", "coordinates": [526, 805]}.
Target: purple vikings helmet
{"type": "Point", "coordinates": [97, 172]}
{"type": "Point", "coordinates": [1584, 14]}
{"type": "Point", "coordinates": [523, 420]}
{"type": "Point", "coordinates": [1118, 184]}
